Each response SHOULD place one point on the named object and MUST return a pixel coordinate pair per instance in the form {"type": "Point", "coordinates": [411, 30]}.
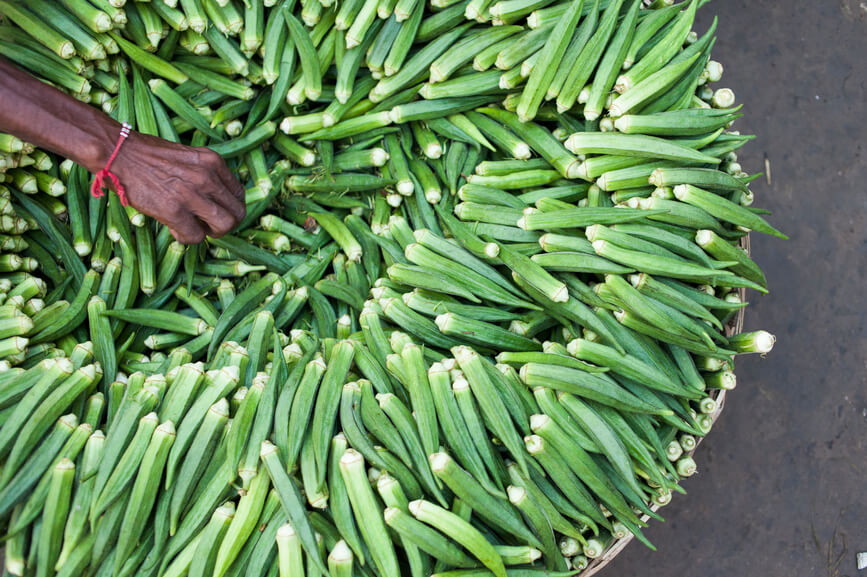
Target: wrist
{"type": "Point", "coordinates": [99, 143]}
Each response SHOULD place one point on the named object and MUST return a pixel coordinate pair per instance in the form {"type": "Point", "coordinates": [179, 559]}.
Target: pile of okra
{"type": "Point", "coordinates": [473, 323]}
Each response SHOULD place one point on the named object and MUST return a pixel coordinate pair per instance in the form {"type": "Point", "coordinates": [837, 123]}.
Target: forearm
{"type": "Point", "coordinates": [189, 189]}
{"type": "Point", "coordinates": [46, 117]}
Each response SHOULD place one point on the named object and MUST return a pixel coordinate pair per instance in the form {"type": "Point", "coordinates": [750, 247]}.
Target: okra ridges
{"type": "Point", "coordinates": [494, 251]}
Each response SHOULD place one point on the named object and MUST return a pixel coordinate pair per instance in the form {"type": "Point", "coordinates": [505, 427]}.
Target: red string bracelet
{"type": "Point", "coordinates": [105, 177]}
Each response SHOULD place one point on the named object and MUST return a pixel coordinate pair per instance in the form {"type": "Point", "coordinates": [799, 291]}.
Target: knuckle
{"type": "Point", "coordinates": [185, 234]}
{"type": "Point", "coordinates": [212, 159]}
{"type": "Point", "coordinates": [197, 180]}
{"type": "Point", "coordinates": [191, 155]}
{"type": "Point", "coordinates": [224, 226]}
{"type": "Point", "coordinates": [181, 237]}
{"type": "Point", "coordinates": [173, 182]}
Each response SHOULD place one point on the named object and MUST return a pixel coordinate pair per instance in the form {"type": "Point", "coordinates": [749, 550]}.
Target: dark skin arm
{"type": "Point", "coordinates": [190, 190]}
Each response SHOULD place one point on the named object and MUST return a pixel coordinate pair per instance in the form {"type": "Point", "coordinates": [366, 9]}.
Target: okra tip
{"type": "Point", "coordinates": [593, 548]}
{"type": "Point", "coordinates": [680, 190]}
{"type": "Point", "coordinates": [460, 384]}
{"type": "Point", "coordinates": [464, 354]}
{"type": "Point", "coordinates": [561, 295]}
{"type": "Point", "coordinates": [166, 428]}
{"type": "Point", "coordinates": [220, 408]}
{"type": "Point", "coordinates": [723, 98]}
{"type": "Point", "coordinates": [622, 121]}
{"type": "Point", "coordinates": [539, 421]}
{"type": "Point", "coordinates": [232, 372]}
{"type": "Point", "coordinates": [285, 531]}
{"type": "Point", "coordinates": [379, 156]}
{"type": "Point", "coordinates": [341, 553]}
{"type": "Point", "coordinates": [63, 365]}
{"type": "Point", "coordinates": [599, 245]}
{"type": "Point", "coordinates": [622, 84]}
{"type": "Point", "coordinates": [415, 507]}
{"type": "Point", "coordinates": [591, 232]}
{"type": "Point", "coordinates": [686, 467]}
{"type": "Point", "coordinates": [703, 238]}
{"type": "Point", "coordinates": [65, 464]}
{"type": "Point", "coordinates": [727, 380]}
{"type": "Point", "coordinates": [351, 456]}
{"type": "Point", "coordinates": [436, 368]}
{"type": "Point", "coordinates": [439, 461]}
{"type": "Point", "coordinates": [267, 448]}
{"type": "Point", "coordinates": [534, 444]}
{"type": "Point", "coordinates": [70, 420]}
{"type": "Point", "coordinates": [516, 494]}
{"type": "Point", "coordinates": [328, 119]}
{"type": "Point", "coordinates": [89, 371]}
{"type": "Point", "coordinates": [758, 342]}
{"type": "Point", "coordinates": [390, 512]}
{"type": "Point", "coordinates": [442, 321]}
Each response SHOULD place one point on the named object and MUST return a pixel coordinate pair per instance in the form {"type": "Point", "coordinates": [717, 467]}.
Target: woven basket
{"type": "Point", "coordinates": [735, 326]}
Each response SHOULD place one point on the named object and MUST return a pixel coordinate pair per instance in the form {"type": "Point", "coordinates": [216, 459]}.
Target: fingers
{"type": "Point", "coordinates": [220, 196]}
{"type": "Point", "coordinates": [231, 183]}
{"type": "Point", "coordinates": [186, 228]}
{"type": "Point", "coordinates": [215, 217]}
{"type": "Point", "coordinates": [227, 191]}
{"type": "Point", "coordinates": [235, 189]}
{"type": "Point", "coordinates": [189, 189]}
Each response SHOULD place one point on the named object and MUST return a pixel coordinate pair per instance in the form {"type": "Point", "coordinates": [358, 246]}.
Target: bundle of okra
{"type": "Point", "coordinates": [473, 323]}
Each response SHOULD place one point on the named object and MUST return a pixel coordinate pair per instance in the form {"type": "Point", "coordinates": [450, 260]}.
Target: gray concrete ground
{"type": "Point", "coordinates": [782, 489]}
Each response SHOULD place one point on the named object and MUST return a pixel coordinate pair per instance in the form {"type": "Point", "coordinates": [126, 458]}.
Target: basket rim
{"type": "Point", "coordinates": [735, 326]}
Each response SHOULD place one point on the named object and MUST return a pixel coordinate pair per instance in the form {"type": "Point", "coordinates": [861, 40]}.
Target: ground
{"type": "Point", "coordinates": [782, 488]}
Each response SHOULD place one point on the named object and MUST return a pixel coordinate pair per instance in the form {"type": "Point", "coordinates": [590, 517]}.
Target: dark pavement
{"type": "Point", "coordinates": [783, 475]}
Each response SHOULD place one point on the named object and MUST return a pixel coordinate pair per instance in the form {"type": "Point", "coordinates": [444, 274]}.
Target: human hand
{"type": "Point", "coordinates": [190, 190]}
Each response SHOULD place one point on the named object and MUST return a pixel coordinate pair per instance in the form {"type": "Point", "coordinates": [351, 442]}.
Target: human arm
{"type": "Point", "coordinates": [190, 190]}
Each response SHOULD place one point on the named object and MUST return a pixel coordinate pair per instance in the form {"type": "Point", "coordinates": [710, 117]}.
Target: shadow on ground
{"type": "Point", "coordinates": [782, 488]}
